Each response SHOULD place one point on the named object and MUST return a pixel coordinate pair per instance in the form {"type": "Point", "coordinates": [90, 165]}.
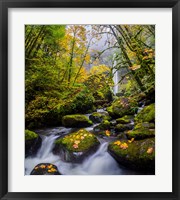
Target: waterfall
{"type": "Point", "coordinates": [115, 79]}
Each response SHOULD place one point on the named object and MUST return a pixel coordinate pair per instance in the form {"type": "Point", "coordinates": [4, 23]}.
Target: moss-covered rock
{"type": "Point", "coordinates": [125, 119]}
{"type": "Point", "coordinates": [147, 114]}
{"type": "Point", "coordinates": [30, 135]}
{"type": "Point", "coordinates": [45, 169]}
{"type": "Point", "coordinates": [123, 106]}
{"type": "Point", "coordinates": [137, 155]}
{"type": "Point", "coordinates": [76, 121]}
{"type": "Point", "coordinates": [97, 117]}
{"type": "Point", "coordinates": [76, 146]}
{"type": "Point", "coordinates": [32, 143]}
{"type": "Point", "coordinates": [104, 125]}
{"type": "Point", "coordinates": [141, 131]}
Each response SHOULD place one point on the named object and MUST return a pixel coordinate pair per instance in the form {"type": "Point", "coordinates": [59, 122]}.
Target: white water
{"type": "Point", "coordinates": [100, 163]}
{"type": "Point", "coordinates": [116, 80]}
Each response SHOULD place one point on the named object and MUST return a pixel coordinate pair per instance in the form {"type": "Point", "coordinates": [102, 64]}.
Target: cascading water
{"type": "Point", "coordinates": [100, 163]}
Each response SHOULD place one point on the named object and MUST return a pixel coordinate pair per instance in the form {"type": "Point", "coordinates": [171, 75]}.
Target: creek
{"type": "Point", "coordinates": [99, 163]}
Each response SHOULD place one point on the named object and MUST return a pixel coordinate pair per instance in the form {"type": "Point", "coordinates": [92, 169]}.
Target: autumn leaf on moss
{"type": "Point", "coordinates": [117, 142]}
{"type": "Point", "coordinates": [43, 166]}
{"type": "Point", "coordinates": [75, 146]}
{"type": "Point", "coordinates": [150, 150]}
{"type": "Point", "coordinates": [124, 146]}
{"type": "Point", "coordinates": [130, 141]}
{"type": "Point", "coordinates": [108, 133]}
{"type": "Point", "coordinates": [77, 141]}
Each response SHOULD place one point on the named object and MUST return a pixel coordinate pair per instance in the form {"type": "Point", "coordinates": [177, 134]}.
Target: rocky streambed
{"type": "Point", "coordinates": [118, 140]}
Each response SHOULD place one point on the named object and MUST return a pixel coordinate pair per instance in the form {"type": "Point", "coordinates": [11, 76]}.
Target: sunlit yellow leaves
{"type": "Point", "coordinates": [150, 150]}
{"type": "Point", "coordinates": [43, 166]}
{"type": "Point", "coordinates": [130, 141]}
{"type": "Point", "coordinates": [52, 170]}
{"type": "Point", "coordinates": [121, 145]}
{"type": "Point", "coordinates": [124, 145]}
{"type": "Point", "coordinates": [99, 69]}
{"type": "Point", "coordinates": [77, 141]}
{"type": "Point", "coordinates": [36, 168]}
{"type": "Point", "coordinates": [108, 133]}
{"type": "Point", "coordinates": [117, 142]}
{"type": "Point", "coordinates": [49, 166]}
{"type": "Point", "coordinates": [135, 67]}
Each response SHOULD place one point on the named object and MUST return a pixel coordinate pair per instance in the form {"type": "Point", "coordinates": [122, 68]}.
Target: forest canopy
{"type": "Point", "coordinates": [72, 69]}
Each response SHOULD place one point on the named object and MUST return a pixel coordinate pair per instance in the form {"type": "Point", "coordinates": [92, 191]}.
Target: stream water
{"type": "Point", "coordinates": [100, 163]}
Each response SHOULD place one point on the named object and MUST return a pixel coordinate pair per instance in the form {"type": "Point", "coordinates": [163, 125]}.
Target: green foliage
{"type": "Point", "coordinates": [79, 141]}
{"type": "Point", "coordinates": [30, 135]}
{"type": "Point", "coordinates": [141, 131]}
{"type": "Point", "coordinates": [147, 114]}
{"type": "Point", "coordinates": [125, 119]}
{"type": "Point", "coordinates": [49, 110]}
{"type": "Point", "coordinates": [99, 86]}
{"type": "Point", "coordinates": [76, 120]}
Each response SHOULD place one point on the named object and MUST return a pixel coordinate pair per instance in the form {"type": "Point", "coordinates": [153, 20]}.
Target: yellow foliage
{"type": "Point", "coordinates": [150, 150]}
{"type": "Point", "coordinates": [108, 133]}
{"type": "Point", "coordinates": [117, 142]}
{"type": "Point", "coordinates": [124, 146]}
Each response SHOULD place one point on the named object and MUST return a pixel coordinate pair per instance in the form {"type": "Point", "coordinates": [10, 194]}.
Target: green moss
{"type": "Point", "coordinates": [97, 117]}
{"type": "Point", "coordinates": [147, 114]}
{"type": "Point", "coordinates": [125, 119]}
{"type": "Point", "coordinates": [79, 141]}
{"type": "Point", "coordinates": [122, 106]}
{"type": "Point", "coordinates": [76, 121]}
{"type": "Point", "coordinates": [110, 110]}
{"type": "Point", "coordinates": [120, 127]}
{"type": "Point", "coordinates": [30, 135]}
{"type": "Point", "coordinates": [104, 125]}
{"type": "Point", "coordinates": [138, 154]}
{"type": "Point", "coordinates": [142, 130]}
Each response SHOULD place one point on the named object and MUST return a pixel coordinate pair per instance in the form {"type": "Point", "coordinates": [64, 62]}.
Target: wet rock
{"type": "Point", "coordinates": [147, 114]}
{"type": "Point", "coordinates": [98, 117]}
{"type": "Point", "coordinates": [122, 106]}
{"type": "Point", "coordinates": [45, 169]}
{"type": "Point", "coordinates": [32, 143]}
{"type": "Point", "coordinates": [104, 125]}
{"type": "Point", "coordinates": [76, 146]}
{"type": "Point", "coordinates": [137, 155]}
{"type": "Point", "coordinates": [76, 121]}
{"type": "Point", "coordinates": [142, 130]}
{"type": "Point", "coordinates": [125, 119]}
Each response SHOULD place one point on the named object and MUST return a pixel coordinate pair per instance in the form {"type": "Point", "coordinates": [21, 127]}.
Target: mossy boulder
{"type": "Point", "coordinates": [45, 169]}
{"type": "Point", "coordinates": [32, 143]}
{"type": "Point", "coordinates": [76, 146]}
{"type": "Point", "coordinates": [137, 155]}
{"type": "Point", "coordinates": [123, 106]}
{"type": "Point", "coordinates": [123, 127]}
{"type": "Point", "coordinates": [98, 117]}
{"type": "Point", "coordinates": [141, 131]}
{"type": "Point", "coordinates": [147, 114]}
{"type": "Point", "coordinates": [125, 119]}
{"type": "Point", "coordinates": [76, 121]}
{"type": "Point", "coordinates": [104, 125]}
